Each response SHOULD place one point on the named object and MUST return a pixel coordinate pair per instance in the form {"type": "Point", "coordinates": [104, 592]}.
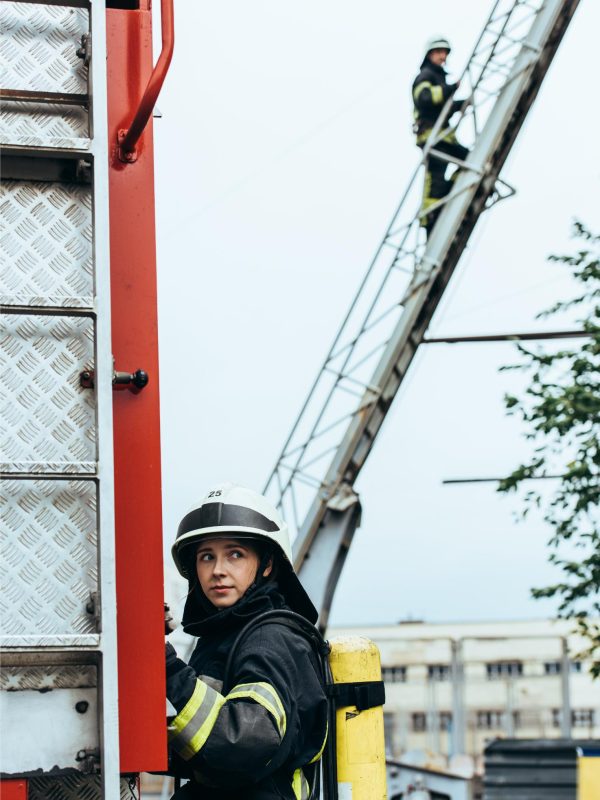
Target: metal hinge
{"type": "Point", "coordinates": [84, 52]}
{"type": "Point", "coordinates": [89, 759]}
{"type": "Point", "coordinates": [92, 607]}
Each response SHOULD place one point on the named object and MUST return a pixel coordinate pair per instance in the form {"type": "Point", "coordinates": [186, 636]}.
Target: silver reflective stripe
{"type": "Point", "coordinates": [264, 694]}
{"type": "Point", "coordinates": [192, 726]}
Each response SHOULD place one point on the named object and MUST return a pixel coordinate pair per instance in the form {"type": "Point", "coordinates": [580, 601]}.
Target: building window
{"type": "Point", "coordinates": [489, 720]}
{"type": "Point", "coordinates": [438, 672]}
{"type": "Point", "coordinates": [504, 669]}
{"type": "Point", "coordinates": [555, 667]}
{"type": "Point", "coordinates": [552, 668]}
{"type": "Point", "coordinates": [419, 722]}
{"type": "Point", "coordinates": [582, 717]}
{"type": "Point", "coordinates": [393, 674]}
{"type": "Point", "coordinates": [445, 720]}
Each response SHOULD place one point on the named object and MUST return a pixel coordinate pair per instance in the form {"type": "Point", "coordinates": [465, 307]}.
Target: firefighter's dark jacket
{"type": "Point", "coordinates": [258, 741]}
{"type": "Point", "coordinates": [430, 91]}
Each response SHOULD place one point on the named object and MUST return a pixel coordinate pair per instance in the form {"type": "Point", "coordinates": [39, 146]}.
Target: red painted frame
{"type": "Point", "coordinates": [138, 507]}
{"type": "Point", "coordinates": [13, 789]}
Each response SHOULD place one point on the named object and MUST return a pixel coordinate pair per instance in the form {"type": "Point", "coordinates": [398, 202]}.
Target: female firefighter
{"type": "Point", "coordinates": [262, 738]}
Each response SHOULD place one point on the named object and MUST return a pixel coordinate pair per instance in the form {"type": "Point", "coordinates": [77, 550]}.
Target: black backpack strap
{"type": "Point", "coordinates": [291, 620]}
{"type": "Point", "coordinates": [363, 694]}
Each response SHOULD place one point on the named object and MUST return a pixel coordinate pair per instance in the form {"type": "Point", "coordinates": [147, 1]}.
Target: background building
{"type": "Point", "coordinates": [450, 688]}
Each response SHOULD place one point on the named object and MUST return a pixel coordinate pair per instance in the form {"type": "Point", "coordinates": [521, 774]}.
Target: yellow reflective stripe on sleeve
{"type": "Point", "coordinates": [419, 88]}
{"type": "Point", "coordinates": [300, 786]}
{"type": "Point", "coordinates": [191, 727]}
{"type": "Point", "coordinates": [437, 95]}
{"type": "Point", "coordinates": [320, 753]}
{"type": "Point", "coordinates": [265, 695]}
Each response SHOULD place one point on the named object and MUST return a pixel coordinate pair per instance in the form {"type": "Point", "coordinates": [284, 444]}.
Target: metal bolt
{"type": "Point", "coordinates": [82, 706]}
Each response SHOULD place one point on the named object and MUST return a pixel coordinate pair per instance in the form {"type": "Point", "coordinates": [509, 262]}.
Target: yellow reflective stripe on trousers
{"type": "Point", "coordinates": [449, 137]}
{"type": "Point", "coordinates": [300, 786]}
{"type": "Point", "coordinates": [437, 93]}
{"type": "Point", "coordinates": [266, 696]}
{"type": "Point", "coordinates": [320, 752]}
{"type": "Point", "coordinates": [191, 727]}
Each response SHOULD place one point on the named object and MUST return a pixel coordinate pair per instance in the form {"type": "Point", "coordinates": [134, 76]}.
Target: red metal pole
{"type": "Point", "coordinates": [14, 789]}
{"type": "Point", "coordinates": [129, 137]}
{"type": "Point", "coordinates": [136, 417]}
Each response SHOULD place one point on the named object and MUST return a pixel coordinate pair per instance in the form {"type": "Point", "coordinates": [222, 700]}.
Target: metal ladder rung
{"type": "Point", "coordinates": [50, 98]}
{"type": "Point", "coordinates": [48, 311]}
{"type": "Point", "coordinates": [64, 3]}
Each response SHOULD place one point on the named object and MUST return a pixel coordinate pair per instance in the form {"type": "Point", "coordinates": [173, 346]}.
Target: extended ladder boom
{"type": "Point", "coordinates": [313, 479]}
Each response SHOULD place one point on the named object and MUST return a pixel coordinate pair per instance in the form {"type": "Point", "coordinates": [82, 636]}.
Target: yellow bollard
{"type": "Point", "coordinates": [588, 775]}
{"type": "Point", "coordinates": [360, 741]}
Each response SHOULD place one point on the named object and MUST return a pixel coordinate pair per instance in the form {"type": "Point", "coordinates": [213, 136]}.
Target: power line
{"type": "Point", "coordinates": [508, 337]}
{"type": "Point", "coordinates": [447, 481]}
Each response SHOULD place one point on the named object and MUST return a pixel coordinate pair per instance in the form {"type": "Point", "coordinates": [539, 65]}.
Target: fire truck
{"type": "Point", "coordinates": [81, 503]}
{"type": "Point", "coordinates": [82, 540]}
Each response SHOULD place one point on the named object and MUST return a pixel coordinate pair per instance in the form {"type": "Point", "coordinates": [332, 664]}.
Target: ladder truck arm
{"type": "Point", "coordinates": [372, 353]}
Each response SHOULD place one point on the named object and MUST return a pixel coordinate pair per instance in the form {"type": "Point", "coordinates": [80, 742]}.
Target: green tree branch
{"type": "Point", "coordinates": [561, 411]}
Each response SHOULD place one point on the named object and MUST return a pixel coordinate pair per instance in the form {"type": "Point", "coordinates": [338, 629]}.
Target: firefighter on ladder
{"type": "Point", "coordinates": [261, 736]}
{"type": "Point", "coordinates": [430, 91]}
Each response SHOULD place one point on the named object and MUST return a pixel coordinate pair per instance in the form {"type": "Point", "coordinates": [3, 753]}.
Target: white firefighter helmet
{"type": "Point", "coordinates": [437, 43]}
{"type": "Point", "coordinates": [232, 511]}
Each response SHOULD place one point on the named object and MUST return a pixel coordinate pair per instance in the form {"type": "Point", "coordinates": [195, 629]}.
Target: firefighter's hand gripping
{"type": "Point", "coordinates": [170, 621]}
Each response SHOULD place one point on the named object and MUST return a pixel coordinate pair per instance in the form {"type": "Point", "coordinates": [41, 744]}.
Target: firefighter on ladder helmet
{"type": "Point", "coordinates": [437, 43]}
{"type": "Point", "coordinates": [430, 91]}
{"type": "Point", "coordinates": [262, 734]}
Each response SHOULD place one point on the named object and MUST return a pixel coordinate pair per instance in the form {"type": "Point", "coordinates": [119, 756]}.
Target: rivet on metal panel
{"type": "Point", "coordinates": [86, 381]}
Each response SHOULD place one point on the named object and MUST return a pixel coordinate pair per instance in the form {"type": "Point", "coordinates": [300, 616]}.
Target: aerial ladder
{"type": "Point", "coordinates": [313, 480]}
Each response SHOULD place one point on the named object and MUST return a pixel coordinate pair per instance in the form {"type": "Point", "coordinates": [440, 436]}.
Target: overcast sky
{"type": "Point", "coordinates": [284, 146]}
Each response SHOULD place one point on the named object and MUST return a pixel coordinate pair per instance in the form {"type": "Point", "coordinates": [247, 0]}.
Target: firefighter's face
{"type": "Point", "coordinates": [226, 568]}
{"type": "Point", "coordinates": [438, 56]}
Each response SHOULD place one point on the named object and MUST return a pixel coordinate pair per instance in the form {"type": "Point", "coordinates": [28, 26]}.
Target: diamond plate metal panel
{"type": "Point", "coordinates": [77, 787]}
{"type": "Point", "coordinates": [34, 125]}
{"type": "Point", "coordinates": [46, 244]}
{"type": "Point", "coordinates": [48, 420]}
{"type": "Point", "coordinates": [44, 678]}
{"type": "Point", "coordinates": [49, 558]}
{"type": "Point", "coordinates": [38, 50]}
